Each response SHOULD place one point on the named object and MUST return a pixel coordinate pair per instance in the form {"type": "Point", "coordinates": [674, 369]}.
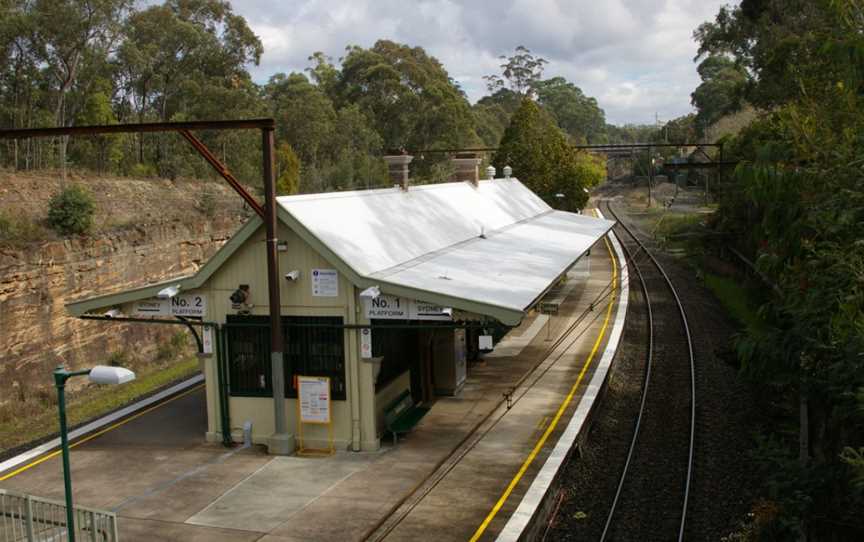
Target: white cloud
{"type": "Point", "coordinates": [635, 57]}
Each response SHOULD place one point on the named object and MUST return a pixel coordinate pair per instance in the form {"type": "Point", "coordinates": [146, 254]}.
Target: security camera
{"type": "Point", "coordinates": [112, 313]}
{"type": "Point", "coordinates": [291, 276]}
{"type": "Point", "coordinates": [240, 296]}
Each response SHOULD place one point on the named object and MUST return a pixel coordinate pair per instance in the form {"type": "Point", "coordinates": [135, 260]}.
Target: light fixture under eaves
{"type": "Point", "coordinates": [169, 292]}
{"type": "Point", "coordinates": [371, 292]}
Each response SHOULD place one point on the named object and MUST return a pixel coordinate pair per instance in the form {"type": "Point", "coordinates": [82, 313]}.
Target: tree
{"type": "Point", "coordinates": [287, 171]}
{"type": "Point", "coordinates": [540, 156]}
{"type": "Point", "coordinates": [62, 33]}
{"type": "Point", "coordinates": [519, 72]}
{"type": "Point", "coordinates": [720, 92]}
{"type": "Point", "coordinates": [408, 95]}
{"type": "Point", "coordinates": [578, 115]}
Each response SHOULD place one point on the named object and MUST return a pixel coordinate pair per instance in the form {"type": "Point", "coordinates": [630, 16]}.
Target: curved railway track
{"type": "Point", "coordinates": [653, 490]}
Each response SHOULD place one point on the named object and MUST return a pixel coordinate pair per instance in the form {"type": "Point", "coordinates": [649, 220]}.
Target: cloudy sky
{"type": "Point", "coordinates": [634, 56]}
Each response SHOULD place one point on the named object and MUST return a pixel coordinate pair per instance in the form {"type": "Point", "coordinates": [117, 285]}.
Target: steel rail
{"type": "Point", "coordinates": [631, 258]}
{"type": "Point", "coordinates": [686, 327]}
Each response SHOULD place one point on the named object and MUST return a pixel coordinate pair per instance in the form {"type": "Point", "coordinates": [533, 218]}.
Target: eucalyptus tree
{"type": "Point", "coordinates": [408, 95]}
{"type": "Point", "coordinates": [519, 72]}
{"type": "Point", "coordinates": [577, 114]}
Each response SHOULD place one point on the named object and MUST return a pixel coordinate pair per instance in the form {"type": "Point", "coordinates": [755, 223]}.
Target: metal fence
{"type": "Point", "coordinates": [27, 518]}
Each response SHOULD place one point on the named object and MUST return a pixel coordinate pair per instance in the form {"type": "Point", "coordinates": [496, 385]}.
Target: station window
{"type": "Point", "coordinates": [314, 346]}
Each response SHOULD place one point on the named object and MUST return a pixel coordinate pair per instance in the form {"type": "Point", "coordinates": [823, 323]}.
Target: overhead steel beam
{"type": "Point", "coordinates": [251, 124]}
{"type": "Point", "coordinates": [223, 171]}
{"type": "Point", "coordinates": [595, 147]}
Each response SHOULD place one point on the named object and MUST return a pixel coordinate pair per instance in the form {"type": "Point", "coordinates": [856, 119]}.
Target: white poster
{"type": "Point", "coordinates": [207, 340]}
{"type": "Point", "coordinates": [313, 392]}
{"type": "Point", "coordinates": [194, 305]}
{"type": "Point", "coordinates": [325, 283]}
{"type": "Point", "coordinates": [366, 343]}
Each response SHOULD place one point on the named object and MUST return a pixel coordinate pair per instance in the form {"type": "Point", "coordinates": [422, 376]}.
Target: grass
{"type": "Point", "coordinates": [17, 230]}
{"type": "Point", "coordinates": [735, 299]}
{"type": "Point", "coordinates": [37, 419]}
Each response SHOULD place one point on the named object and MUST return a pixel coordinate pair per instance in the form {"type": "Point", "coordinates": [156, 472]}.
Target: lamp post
{"type": "Point", "coordinates": [101, 374]}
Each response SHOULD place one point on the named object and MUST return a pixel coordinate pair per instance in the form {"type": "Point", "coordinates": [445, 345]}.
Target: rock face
{"type": "Point", "coordinates": [147, 231]}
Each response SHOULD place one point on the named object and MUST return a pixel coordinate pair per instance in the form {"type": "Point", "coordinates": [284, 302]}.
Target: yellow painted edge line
{"type": "Point", "coordinates": [100, 432]}
{"type": "Point", "coordinates": [537, 447]}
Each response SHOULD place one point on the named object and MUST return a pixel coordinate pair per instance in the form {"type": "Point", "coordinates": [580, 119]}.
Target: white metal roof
{"type": "Point", "coordinates": [372, 230]}
{"type": "Point", "coordinates": [497, 244]}
{"type": "Point", "coordinates": [510, 268]}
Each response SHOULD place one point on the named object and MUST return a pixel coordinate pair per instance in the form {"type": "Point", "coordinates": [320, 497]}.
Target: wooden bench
{"type": "Point", "coordinates": [401, 415]}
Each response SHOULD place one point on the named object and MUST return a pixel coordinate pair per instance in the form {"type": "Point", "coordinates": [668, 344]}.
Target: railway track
{"type": "Point", "coordinates": [653, 491]}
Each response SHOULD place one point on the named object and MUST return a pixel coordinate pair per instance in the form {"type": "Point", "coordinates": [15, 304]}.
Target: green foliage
{"type": "Point", "coordinates": [18, 229]}
{"type": "Point", "coordinates": [540, 157]}
{"type": "Point", "coordinates": [287, 171]}
{"type": "Point", "coordinates": [407, 95]}
{"type": "Point", "coordinates": [578, 115]}
{"type": "Point", "coordinates": [207, 203]}
{"type": "Point", "coordinates": [172, 348]}
{"type": "Point", "coordinates": [796, 206]}
{"type": "Point", "coordinates": [70, 211]}
{"type": "Point", "coordinates": [720, 92]}
{"type": "Point", "coordinates": [520, 72]}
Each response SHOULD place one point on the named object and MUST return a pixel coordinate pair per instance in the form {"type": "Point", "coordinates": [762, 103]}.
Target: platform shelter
{"type": "Point", "coordinates": [387, 294]}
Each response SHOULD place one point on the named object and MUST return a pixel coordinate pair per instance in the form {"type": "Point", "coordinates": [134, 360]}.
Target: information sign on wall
{"type": "Point", "coordinates": [194, 305]}
{"type": "Point", "coordinates": [313, 393]}
{"type": "Point", "coordinates": [325, 283]}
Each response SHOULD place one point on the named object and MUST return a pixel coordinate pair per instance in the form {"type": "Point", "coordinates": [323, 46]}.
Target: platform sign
{"type": "Point", "coordinates": [386, 307]}
{"type": "Point", "coordinates": [189, 305]}
{"type": "Point", "coordinates": [391, 307]}
{"type": "Point", "coordinates": [366, 343]}
{"type": "Point", "coordinates": [420, 310]}
{"type": "Point", "coordinates": [313, 393]}
{"type": "Point", "coordinates": [325, 283]}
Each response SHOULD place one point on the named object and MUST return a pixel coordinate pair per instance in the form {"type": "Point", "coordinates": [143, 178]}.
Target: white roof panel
{"type": "Point", "coordinates": [497, 244]}
{"type": "Point", "coordinates": [373, 230]}
{"type": "Point", "coordinates": [509, 268]}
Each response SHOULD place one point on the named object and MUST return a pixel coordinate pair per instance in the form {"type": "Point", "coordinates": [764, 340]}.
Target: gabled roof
{"type": "Point", "coordinates": [491, 249]}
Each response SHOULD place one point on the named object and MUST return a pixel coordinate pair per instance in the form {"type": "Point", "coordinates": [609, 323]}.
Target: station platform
{"type": "Point", "coordinates": [459, 475]}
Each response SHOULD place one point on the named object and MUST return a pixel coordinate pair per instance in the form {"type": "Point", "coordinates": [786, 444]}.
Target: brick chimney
{"type": "Point", "coordinates": [397, 165]}
{"type": "Point", "coordinates": [467, 166]}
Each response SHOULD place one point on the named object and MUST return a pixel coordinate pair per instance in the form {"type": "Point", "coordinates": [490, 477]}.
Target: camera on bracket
{"type": "Point", "coordinates": [240, 299]}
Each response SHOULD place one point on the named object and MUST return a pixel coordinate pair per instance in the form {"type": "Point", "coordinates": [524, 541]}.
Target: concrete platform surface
{"type": "Point", "coordinates": [166, 483]}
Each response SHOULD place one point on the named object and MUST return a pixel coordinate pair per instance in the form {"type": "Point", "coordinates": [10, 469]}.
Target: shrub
{"type": "Point", "coordinates": [207, 203]}
{"type": "Point", "coordinates": [17, 229]}
{"type": "Point", "coordinates": [170, 349]}
{"type": "Point", "coordinates": [71, 211]}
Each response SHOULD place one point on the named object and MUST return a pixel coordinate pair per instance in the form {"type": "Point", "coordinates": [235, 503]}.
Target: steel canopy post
{"type": "Point", "coordinates": [281, 442]}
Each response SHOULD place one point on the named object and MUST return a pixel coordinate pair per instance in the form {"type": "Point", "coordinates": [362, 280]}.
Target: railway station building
{"type": "Point", "coordinates": [386, 293]}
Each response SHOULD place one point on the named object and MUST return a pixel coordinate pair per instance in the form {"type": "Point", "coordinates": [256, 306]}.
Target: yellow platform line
{"type": "Point", "coordinates": [100, 432]}
{"type": "Point", "coordinates": [561, 409]}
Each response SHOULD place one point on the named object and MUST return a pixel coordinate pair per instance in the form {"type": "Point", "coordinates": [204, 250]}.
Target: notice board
{"type": "Point", "coordinates": [313, 393]}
